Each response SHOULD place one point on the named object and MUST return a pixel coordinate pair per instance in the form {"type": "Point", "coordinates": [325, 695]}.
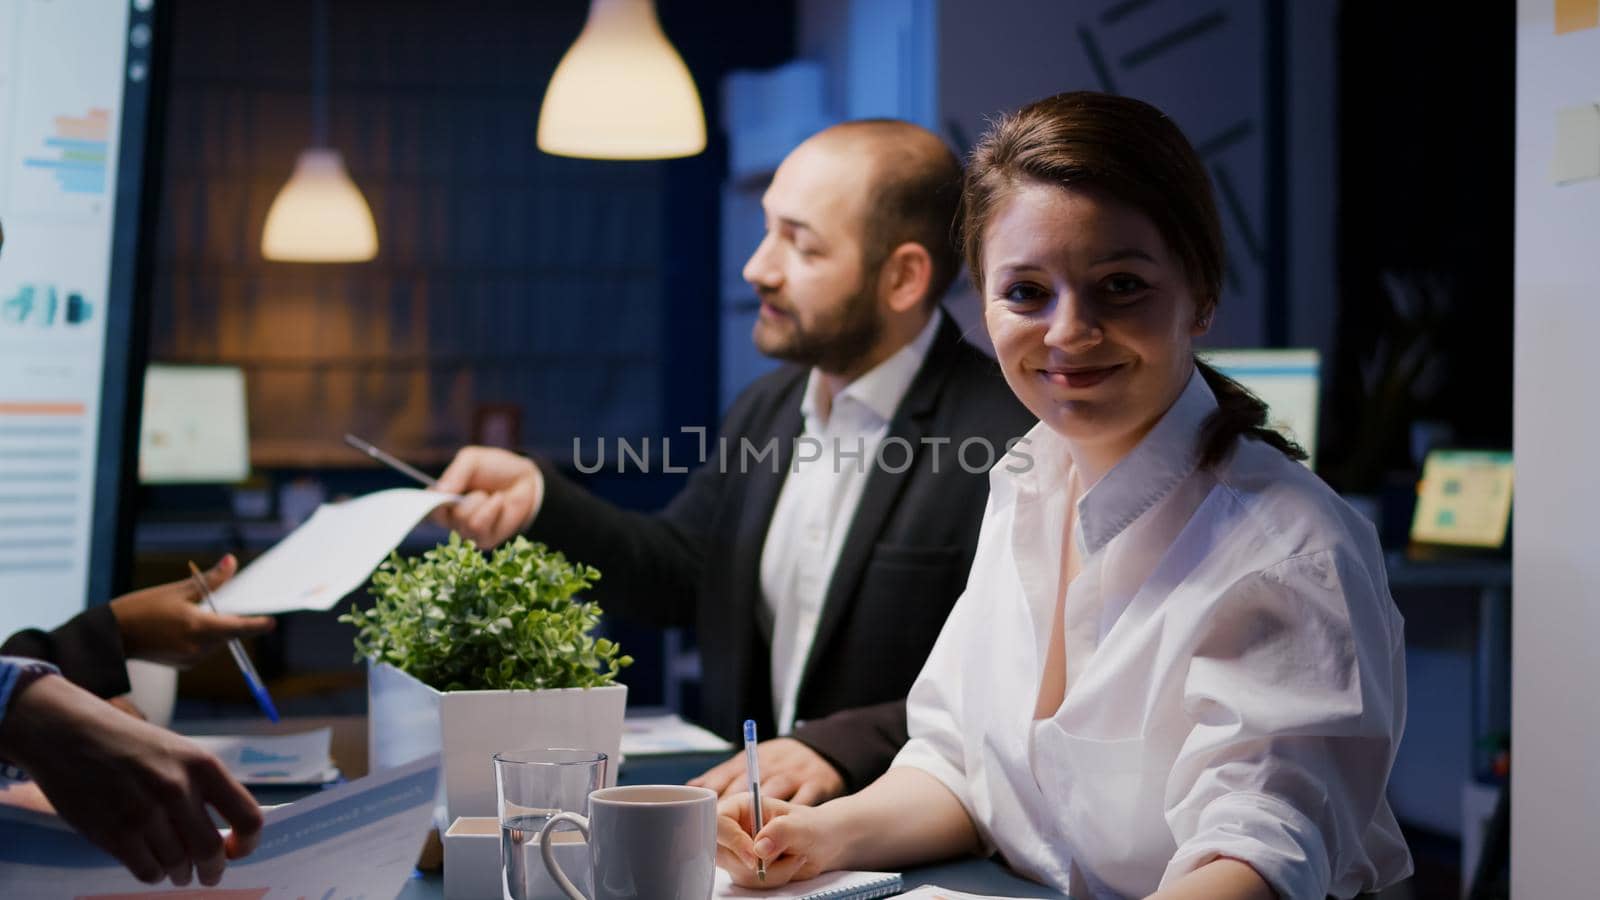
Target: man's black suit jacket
{"type": "Point", "coordinates": [903, 563]}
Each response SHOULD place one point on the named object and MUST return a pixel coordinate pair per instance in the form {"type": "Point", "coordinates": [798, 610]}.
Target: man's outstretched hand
{"type": "Point", "coordinates": [500, 492]}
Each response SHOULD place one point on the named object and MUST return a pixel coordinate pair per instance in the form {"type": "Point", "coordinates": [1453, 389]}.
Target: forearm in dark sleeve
{"type": "Point", "coordinates": [87, 650]}
{"type": "Point", "coordinates": [860, 743]}
{"type": "Point", "coordinates": [649, 563]}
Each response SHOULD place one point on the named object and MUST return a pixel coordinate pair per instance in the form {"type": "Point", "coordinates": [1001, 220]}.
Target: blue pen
{"type": "Point", "coordinates": [754, 771]}
{"type": "Point", "coordinates": [263, 699]}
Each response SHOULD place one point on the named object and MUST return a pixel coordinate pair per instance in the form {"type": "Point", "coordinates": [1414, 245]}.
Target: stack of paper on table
{"type": "Point", "coordinates": [666, 734]}
{"type": "Point", "coordinates": [266, 759]}
{"type": "Point", "coordinates": [357, 839]}
{"type": "Point", "coordinates": [827, 886]}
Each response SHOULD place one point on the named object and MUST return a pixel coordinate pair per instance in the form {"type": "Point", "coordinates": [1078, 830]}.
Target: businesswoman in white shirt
{"type": "Point", "coordinates": [1176, 670]}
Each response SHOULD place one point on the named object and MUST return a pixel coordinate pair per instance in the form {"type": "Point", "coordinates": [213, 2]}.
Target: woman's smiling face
{"type": "Point", "coordinates": [1093, 317]}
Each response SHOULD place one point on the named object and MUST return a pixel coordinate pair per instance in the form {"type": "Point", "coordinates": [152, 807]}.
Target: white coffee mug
{"type": "Point", "coordinates": [154, 689]}
{"type": "Point", "coordinates": [645, 842]}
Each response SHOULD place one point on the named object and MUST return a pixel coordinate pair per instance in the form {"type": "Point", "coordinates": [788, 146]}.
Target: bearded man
{"type": "Point", "coordinates": [819, 548]}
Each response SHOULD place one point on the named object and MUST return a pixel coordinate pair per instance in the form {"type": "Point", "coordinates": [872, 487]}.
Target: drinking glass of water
{"type": "Point", "coordinates": [534, 785]}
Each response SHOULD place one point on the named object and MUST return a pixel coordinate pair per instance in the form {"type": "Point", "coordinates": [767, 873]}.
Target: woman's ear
{"type": "Point", "coordinates": [1202, 318]}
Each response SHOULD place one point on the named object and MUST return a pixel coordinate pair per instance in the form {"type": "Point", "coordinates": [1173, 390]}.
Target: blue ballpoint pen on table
{"type": "Point", "coordinates": [754, 771]}
{"type": "Point", "coordinates": [237, 649]}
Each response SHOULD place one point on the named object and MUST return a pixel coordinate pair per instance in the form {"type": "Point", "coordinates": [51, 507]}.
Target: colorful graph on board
{"type": "Point", "coordinates": [76, 152]}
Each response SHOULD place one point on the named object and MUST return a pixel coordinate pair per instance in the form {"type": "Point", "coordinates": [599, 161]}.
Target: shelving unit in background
{"type": "Point", "coordinates": [504, 276]}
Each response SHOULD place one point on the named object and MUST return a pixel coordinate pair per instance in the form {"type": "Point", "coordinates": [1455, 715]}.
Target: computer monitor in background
{"type": "Point", "coordinates": [194, 429]}
{"type": "Point", "coordinates": [76, 93]}
{"type": "Point", "coordinates": [1288, 381]}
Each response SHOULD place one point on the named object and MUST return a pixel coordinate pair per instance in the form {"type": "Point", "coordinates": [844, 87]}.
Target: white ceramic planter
{"type": "Point", "coordinates": [407, 719]}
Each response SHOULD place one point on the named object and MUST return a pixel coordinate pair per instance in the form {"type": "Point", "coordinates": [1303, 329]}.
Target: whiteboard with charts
{"type": "Point", "coordinates": [75, 90]}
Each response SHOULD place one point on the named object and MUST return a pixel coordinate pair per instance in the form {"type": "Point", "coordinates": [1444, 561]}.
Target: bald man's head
{"type": "Point", "coordinates": [913, 192]}
{"type": "Point", "coordinates": [858, 245]}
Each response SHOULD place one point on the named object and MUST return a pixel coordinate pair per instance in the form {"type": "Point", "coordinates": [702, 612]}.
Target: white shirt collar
{"type": "Point", "coordinates": [1164, 458]}
{"type": "Point", "coordinates": [881, 388]}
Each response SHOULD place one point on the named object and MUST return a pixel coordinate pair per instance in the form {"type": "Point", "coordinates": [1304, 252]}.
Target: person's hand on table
{"type": "Point", "coordinates": [168, 624]}
{"type": "Point", "coordinates": [500, 494]}
{"type": "Point", "coordinates": [137, 791]}
{"type": "Point", "coordinates": [794, 842]}
{"type": "Point", "coordinates": [789, 771]}
{"type": "Point", "coordinates": [25, 795]}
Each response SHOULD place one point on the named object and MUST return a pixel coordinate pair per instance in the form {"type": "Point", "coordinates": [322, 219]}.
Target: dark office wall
{"type": "Point", "coordinates": [1427, 113]}
{"type": "Point", "coordinates": [1426, 149]}
{"type": "Point", "coordinates": [581, 292]}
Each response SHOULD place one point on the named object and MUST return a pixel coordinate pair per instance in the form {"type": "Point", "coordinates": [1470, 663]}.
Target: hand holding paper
{"type": "Point", "coordinates": [329, 556]}
{"type": "Point", "coordinates": [168, 625]}
{"type": "Point", "coordinates": [501, 493]}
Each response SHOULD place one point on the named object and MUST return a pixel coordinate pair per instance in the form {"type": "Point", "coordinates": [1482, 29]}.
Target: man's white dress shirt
{"type": "Point", "coordinates": [1235, 674]}
{"type": "Point", "coordinates": [835, 453]}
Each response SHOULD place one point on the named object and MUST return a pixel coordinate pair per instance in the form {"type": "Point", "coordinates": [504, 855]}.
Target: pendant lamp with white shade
{"type": "Point", "coordinates": [319, 215]}
{"type": "Point", "coordinates": [622, 91]}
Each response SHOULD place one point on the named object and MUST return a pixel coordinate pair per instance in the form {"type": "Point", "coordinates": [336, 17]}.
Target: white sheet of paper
{"type": "Point", "coordinates": [357, 839]}
{"type": "Point", "coordinates": [1577, 144]}
{"type": "Point", "coordinates": [274, 758]}
{"type": "Point", "coordinates": [329, 556]}
{"type": "Point", "coordinates": [934, 892]}
{"type": "Point", "coordinates": [828, 884]}
{"type": "Point", "coordinates": [662, 735]}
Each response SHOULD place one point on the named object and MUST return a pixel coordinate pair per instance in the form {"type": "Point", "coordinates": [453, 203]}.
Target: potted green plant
{"type": "Point", "coordinates": [470, 654]}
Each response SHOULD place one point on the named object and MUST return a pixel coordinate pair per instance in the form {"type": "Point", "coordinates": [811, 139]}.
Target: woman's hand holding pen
{"type": "Point", "coordinates": [796, 842]}
{"type": "Point", "coordinates": [167, 624]}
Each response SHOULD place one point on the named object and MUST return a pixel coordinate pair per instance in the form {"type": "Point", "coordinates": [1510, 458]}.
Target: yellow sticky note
{"type": "Point", "coordinates": [1464, 499]}
{"type": "Point", "coordinates": [1576, 15]}
{"type": "Point", "coordinates": [1577, 153]}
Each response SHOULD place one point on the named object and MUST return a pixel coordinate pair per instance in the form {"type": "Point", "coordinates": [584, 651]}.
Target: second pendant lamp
{"type": "Point", "coordinates": [621, 91]}
{"type": "Point", "coordinates": [320, 214]}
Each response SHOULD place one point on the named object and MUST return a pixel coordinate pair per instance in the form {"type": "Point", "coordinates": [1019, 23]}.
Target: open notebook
{"type": "Point", "coordinates": [827, 886]}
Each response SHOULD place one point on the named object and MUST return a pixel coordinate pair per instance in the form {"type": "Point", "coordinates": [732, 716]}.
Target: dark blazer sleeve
{"type": "Point", "coordinates": [860, 743]}
{"type": "Point", "coordinates": [853, 700]}
{"type": "Point", "coordinates": [87, 650]}
{"type": "Point", "coordinates": [649, 562]}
